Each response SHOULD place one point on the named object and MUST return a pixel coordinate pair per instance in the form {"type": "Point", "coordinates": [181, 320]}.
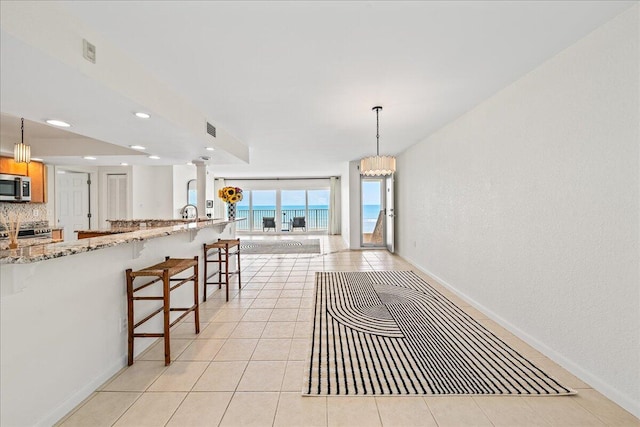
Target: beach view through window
{"type": "Point", "coordinates": [313, 205]}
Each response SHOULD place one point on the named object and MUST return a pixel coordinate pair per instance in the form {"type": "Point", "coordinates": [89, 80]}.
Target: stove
{"type": "Point", "coordinates": [27, 233]}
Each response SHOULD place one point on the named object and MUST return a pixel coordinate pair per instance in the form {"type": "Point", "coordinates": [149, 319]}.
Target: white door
{"type": "Point", "coordinates": [116, 196]}
{"type": "Point", "coordinates": [391, 215]}
{"type": "Point", "coordinates": [372, 209]}
{"type": "Point", "coordinates": [72, 202]}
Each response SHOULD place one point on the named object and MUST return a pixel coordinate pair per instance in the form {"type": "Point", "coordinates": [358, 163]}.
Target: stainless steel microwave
{"type": "Point", "coordinates": [15, 188]}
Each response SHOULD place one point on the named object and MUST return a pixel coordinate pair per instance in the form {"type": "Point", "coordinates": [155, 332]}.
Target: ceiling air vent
{"type": "Point", "coordinates": [211, 129]}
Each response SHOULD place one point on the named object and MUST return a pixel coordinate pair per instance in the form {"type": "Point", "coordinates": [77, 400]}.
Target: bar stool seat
{"type": "Point", "coordinates": [163, 272]}
{"type": "Point", "coordinates": [225, 249]}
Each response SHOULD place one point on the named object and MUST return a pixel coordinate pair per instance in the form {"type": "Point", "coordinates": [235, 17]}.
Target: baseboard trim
{"type": "Point", "coordinates": [68, 405]}
{"type": "Point", "coordinates": [598, 384]}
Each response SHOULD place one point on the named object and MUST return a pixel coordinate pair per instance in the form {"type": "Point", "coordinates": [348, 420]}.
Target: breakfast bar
{"type": "Point", "coordinates": [71, 303]}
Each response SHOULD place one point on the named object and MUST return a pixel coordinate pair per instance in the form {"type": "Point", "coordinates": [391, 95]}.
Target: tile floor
{"type": "Point", "coordinates": [245, 368]}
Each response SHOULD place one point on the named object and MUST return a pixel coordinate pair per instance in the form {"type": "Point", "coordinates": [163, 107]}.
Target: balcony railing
{"type": "Point", "coordinates": [317, 219]}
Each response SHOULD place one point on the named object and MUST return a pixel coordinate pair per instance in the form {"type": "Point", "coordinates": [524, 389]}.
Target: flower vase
{"type": "Point", "coordinates": [231, 211]}
{"type": "Point", "coordinates": [13, 245]}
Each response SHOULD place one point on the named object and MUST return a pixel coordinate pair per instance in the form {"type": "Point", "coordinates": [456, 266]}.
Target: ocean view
{"type": "Point", "coordinates": [369, 217]}
{"type": "Point", "coordinates": [318, 218]}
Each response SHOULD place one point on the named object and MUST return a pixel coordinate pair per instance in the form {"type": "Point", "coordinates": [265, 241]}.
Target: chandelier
{"type": "Point", "coordinates": [22, 152]}
{"type": "Point", "coordinates": [377, 165]}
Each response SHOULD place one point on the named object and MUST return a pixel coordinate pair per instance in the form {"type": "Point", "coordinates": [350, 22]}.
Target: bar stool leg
{"type": "Point", "coordinates": [226, 269]}
{"type": "Point", "coordinates": [129, 316]}
{"type": "Point", "coordinates": [167, 304]}
{"type": "Point", "coordinates": [206, 274]}
{"type": "Point", "coordinates": [239, 269]}
{"type": "Point", "coordinates": [219, 268]}
{"type": "Point", "coordinates": [196, 282]}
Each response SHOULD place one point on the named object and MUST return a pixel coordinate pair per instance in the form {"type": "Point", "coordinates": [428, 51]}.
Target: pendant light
{"type": "Point", "coordinates": [377, 165]}
{"type": "Point", "coordinates": [22, 152]}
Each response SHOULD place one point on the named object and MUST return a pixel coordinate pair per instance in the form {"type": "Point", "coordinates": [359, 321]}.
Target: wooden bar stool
{"type": "Point", "coordinates": [163, 272]}
{"type": "Point", "coordinates": [225, 249]}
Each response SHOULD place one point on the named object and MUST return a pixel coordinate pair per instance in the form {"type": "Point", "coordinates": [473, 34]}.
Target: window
{"type": "Point", "coordinates": [284, 205]}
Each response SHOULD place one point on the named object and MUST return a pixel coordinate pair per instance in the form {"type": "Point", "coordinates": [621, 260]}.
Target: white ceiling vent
{"type": "Point", "coordinates": [211, 129]}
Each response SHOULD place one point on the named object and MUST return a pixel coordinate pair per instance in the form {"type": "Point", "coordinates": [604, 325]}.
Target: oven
{"type": "Point", "coordinates": [29, 233]}
{"type": "Point", "coordinates": [15, 188]}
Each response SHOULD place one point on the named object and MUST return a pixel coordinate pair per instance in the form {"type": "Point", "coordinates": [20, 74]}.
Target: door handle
{"type": "Point", "coordinates": [19, 184]}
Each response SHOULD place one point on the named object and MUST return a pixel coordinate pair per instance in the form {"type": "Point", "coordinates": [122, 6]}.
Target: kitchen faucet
{"type": "Point", "coordinates": [184, 211]}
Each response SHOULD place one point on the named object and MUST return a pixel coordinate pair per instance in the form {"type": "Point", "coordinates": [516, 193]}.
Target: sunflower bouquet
{"type": "Point", "coordinates": [230, 194]}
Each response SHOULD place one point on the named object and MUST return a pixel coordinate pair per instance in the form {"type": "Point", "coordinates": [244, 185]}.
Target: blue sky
{"type": "Point", "coordinates": [371, 192]}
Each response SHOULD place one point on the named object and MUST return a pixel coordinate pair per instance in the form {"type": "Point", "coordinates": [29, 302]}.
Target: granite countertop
{"type": "Point", "coordinates": [43, 252]}
{"type": "Point", "coordinates": [113, 230]}
{"type": "Point", "coordinates": [30, 241]}
{"type": "Point", "coordinates": [119, 223]}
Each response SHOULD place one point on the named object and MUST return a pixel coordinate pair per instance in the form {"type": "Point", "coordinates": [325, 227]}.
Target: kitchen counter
{"type": "Point", "coordinates": [87, 234]}
{"type": "Point", "coordinates": [78, 303]}
{"type": "Point", "coordinates": [41, 252]}
{"type": "Point", "coordinates": [23, 243]}
{"type": "Point", "coordinates": [141, 223]}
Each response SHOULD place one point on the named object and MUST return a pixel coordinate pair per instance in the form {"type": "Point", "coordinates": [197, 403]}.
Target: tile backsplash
{"type": "Point", "coordinates": [29, 212]}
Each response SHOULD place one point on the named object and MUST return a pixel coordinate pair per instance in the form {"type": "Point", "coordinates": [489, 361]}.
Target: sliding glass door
{"type": "Point", "coordinates": [310, 207]}
{"type": "Point", "coordinates": [293, 203]}
{"type": "Point", "coordinates": [318, 209]}
{"type": "Point", "coordinates": [255, 206]}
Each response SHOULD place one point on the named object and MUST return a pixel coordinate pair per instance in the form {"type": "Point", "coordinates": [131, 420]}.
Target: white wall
{"type": "Point", "coordinates": [528, 207]}
{"type": "Point", "coordinates": [354, 205]}
{"type": "Point", "coordinates": [152, 192]}
{"type": "Point", "coordinates": [345, 206]}
{"type": "Point", "coordinates": [219, 208]}
{"type": "Point", "coordinates": [181, 176]}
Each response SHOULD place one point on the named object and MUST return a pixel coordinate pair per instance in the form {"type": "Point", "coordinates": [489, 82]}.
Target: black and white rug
{"type": "Point", "coordinates": [303, 246]}
{"type": "Point", "coordinates": [390, 332]}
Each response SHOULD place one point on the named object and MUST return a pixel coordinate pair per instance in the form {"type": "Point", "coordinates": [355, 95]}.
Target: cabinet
{"type": "Point", "coordinates": [57, 235]}
{"type": "Point", "coordinates": [35, 170]}
{"type": "Point", "coordinates": [9, 166]}
{"type": "Point", "coordinates": [38, 174]}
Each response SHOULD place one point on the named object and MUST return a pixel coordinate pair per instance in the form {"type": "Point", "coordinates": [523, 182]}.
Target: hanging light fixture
{"type": "Point", "coordinates": [22, 152]}
{"type": "Point", "coordinates": [377, 165]}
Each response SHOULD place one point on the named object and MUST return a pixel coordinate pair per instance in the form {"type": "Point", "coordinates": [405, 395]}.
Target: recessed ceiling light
{"type": "Point", "coordinates": [138, 147]}
{"type": "Point", "coordinates": [154, 157]}
{"type": "Point", "coordinates": [58, 123]}
{"type": "Point", "coordinates": [124, 164]}
{"type": "Point", "coordinates": [210, 149]}
{"type": "Point", "coordinates": [142, 115]}
{"type": "Point", "coordinates": [89, 158]}
{"type": "Point", "coordinates": [190, 164]}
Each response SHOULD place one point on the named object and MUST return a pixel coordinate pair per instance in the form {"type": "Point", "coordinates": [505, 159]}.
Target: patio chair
{"type": "Point", "coordinates": [298, 222]}
{"type": "Point", "coordinates": [268, 222]}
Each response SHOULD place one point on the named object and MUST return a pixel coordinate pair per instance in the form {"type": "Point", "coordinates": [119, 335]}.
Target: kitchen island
{"type": "Point", "coordinates": [115, 237]}
{"type": "Point", "coordinates": [119, 226]}
{"type": "Point", "coordinates": [63, 314]}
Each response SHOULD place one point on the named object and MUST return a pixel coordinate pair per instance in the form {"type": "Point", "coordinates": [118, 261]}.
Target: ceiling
{"type": "Point", "coordinates": [292, 83]}
{"type": "Point", "coordinates": [59, 146]}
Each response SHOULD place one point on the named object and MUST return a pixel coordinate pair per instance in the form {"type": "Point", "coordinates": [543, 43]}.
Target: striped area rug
{"type": "Point", "coordinates": [303, 246]}
{"type": "Point", "coordinates": [390, 332]}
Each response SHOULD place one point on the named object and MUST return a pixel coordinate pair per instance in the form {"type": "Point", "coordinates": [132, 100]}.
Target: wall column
{"type": "Point", "coordinates": [201, 180]}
